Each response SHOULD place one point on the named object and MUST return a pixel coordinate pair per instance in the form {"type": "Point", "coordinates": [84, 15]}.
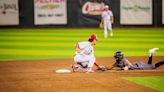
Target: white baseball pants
{"type": "Point", "coordinates": [85, 59]}
{"type": "Point", "coordinates": [107, 26]}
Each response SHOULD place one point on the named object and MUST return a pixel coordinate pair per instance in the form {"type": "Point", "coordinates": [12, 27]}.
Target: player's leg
{"type": "Point", "coordinates": [85, 62]}
{"type": "Point", "coordinates": [110, 28]}
{"type": "Point", "coordinates": [151, 52]}
{"type": "Point", "coordinates": [105, 29]}
{"type": "Point", "coordinates": [81, 66]}
{"type": "Point", "coordinates": [80, 63]}
{"type": "Point", "coordinates": [90, 64]}
{"type": "Point", "coordinates": [75, 67]}
{"type": "Point", "coordinates": [159, 64]}
{"type": "Point", "coordinates": [150, 59]}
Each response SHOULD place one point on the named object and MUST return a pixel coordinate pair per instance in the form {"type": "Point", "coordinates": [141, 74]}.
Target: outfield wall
{"type": "Point", "coordinates": [72, 15]}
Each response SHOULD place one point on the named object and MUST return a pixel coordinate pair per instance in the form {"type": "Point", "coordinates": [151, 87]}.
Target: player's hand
{"type": "Point", "coordinates": [126, 68]}
{"type": "Point", "coordinates": [102, 68]}
{"type": "Point", "coordinates": [112, 21]}
{"type": "Point", "coordinates": [101, 25]}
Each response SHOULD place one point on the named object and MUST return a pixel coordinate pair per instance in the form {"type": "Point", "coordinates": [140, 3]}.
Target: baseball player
{"type": "Point", "coordinates": [125, 64]}
{"type": "Point", "coordinates": [84, 55]}
{"type": "Point", "coordinates": [107, 20]}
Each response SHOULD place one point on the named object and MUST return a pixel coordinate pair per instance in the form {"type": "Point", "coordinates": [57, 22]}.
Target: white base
{"type": "Point", "coordinates": [63, 71]}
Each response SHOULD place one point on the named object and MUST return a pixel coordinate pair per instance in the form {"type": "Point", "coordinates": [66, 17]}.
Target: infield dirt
{"type": "Point", "coordinates": [40, 76]}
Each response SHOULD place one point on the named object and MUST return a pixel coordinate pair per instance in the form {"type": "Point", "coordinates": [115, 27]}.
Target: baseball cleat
{"type": "Point", "coordinates": [111, 34]}
{"type": "Point", "coordinates": [74, 68]}
{"type": "Point", "coordinates": [153, 50]}
{"type": "Point", "coordinates": [105, 36]}
{"type": "Point", "coordinates": [90, 71]}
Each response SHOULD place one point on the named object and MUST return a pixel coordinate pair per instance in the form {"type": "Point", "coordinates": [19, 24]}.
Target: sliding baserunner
{"type": "Point", "coordinates": [125, 64]}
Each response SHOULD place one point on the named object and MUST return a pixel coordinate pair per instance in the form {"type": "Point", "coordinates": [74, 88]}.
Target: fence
{"type": "Point", "coordinates": [76, 14]}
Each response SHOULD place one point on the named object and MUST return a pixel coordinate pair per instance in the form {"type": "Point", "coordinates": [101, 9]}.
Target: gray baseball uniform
{"type": "Point", "coordinates": [134, 66]}
{"type": "Point", "coordinates": [142, 65]}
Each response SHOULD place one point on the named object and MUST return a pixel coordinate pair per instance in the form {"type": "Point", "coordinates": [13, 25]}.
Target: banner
{"type": "Point", "coordinates": [50, 12]}
{"type": "Point", "coordinates": [162, 11]}
{"type": "Point", "coordinates": [89, 12]}
{"type": "Point", "coordinates": [9, 12]}
{"type": "Point", "coordinates": [136, 12]}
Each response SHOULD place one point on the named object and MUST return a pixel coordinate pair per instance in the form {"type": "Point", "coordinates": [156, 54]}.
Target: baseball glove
{"type": "Point", "coordinates": [101, 25]}
{"type": "Point", "coordinates": [101, 68]}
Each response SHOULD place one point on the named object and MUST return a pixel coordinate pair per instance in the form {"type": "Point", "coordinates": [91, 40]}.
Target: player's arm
{"type": "Point", "coordinates": [102, 68]}
{"type": "Point", "coordinates": [114, 65]}
{"type": "Point", "coordinates": [128, 64]}
{"type": "Point", "coordinates": [96, 65]}
{"type": "Point", "coordinates": [77, 48]}
{"type": "Point", "coordinates": [112, 19]}
{"type": "Point", "coordinates": [101, 23]}
{"type": "Point", "coordinates": [110, 68]}
{"type": "Point", "coordinates": [102, 18]}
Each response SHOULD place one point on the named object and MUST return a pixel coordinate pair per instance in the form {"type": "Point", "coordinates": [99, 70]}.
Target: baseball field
{"type": "Point", "coordinates": [29, 58]}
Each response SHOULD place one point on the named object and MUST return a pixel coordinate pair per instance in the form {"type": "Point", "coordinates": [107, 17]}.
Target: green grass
{"type": "Point", "coordinates": [154, 82]}
{"type": "Point", "coordinates": [22, 44]}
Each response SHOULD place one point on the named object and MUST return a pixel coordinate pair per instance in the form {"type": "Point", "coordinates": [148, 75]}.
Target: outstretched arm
{"type": "Point", "coordinates": [110, 68]}
{"type": "Point", "coordinates": [102, 68]}
{"type": "Point", "coordinates": [114, 65]}
{"type": "Point", "coordinates": [96, 65]}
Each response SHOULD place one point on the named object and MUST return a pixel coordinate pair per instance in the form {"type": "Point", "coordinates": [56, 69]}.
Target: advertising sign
{"type": "Point", "coordinates": [50, 12]}
{"type": "Point", "coordinates": [136, 12]}
{"type": "Point", "coordinates": [162, 11]}
{"type": "Point", "coordinates": [9, 12]}
{"type": "Point", "coordinates": [90, 11]}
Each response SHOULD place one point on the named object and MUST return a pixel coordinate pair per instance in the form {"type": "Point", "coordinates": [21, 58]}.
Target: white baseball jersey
{"type": "Point", "coordinates": [106, 15]}
{"type": "Point", "coordinates": [85, 48]}
{"type": "Point", "coordinates": [86, 55]}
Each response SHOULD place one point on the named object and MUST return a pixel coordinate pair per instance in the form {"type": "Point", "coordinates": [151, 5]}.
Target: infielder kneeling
{"type": "Point", "coordinates": [84, 55]}
{"type": "Point", "coordinates": [125, 64]}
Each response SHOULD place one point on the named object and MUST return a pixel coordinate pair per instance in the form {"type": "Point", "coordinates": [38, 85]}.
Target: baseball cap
{"type": "Point", "coordinates": [93, 37]}
{"type": "Point", "coordinates": [106, 6]}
